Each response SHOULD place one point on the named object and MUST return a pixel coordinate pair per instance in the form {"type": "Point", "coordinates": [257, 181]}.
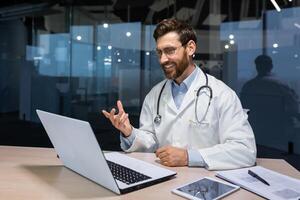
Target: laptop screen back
{"type": "Point", "coordinates": [78, 148]}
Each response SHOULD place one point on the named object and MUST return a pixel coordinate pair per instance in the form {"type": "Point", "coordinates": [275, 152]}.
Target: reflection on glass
{"type": "Point", "coordinates": [274, 116]}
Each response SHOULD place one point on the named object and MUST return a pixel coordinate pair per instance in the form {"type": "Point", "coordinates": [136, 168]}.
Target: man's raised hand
{"type": "Point", "coordinates": [119, 120]}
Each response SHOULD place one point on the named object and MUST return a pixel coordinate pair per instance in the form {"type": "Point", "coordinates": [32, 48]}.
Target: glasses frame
{"type": "Point", "coordinates": [168, 51]}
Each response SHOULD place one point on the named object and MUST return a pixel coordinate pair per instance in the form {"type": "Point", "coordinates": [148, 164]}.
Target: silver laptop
{"type": "Point", "coordinates": [75, 143]}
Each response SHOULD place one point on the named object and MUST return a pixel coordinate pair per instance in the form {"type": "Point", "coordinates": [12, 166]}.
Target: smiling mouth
{"type": "Point", "coordinates": [168, 67]}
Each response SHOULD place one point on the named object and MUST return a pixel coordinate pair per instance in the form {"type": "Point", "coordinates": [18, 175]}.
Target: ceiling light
{"type": "Point", "coordinates": [105, 25]}
{"type": "Point", "coordinates": [231, 36]}
{"type": "Point", "coordinates": [78, 37]}
{"type": "Point", "coordinates": [231, 41]}
{"type": "Point", "coordinates": [107, 59]}
{"type": "Point", "coordinates": [226, 46]}
{"type": "Point", "coordinates": [297, 25]}
{"type": "Point", "coordinates": [276, 5]}
{"type": "Point", "coordinates": [275, 45]}
{"type": "Point", "coordinates": [128, 34]}
{"type": "Point", "coordinates": [109, 47]}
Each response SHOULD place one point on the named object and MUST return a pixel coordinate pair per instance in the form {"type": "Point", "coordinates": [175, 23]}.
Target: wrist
{"type": "Point", "coordinates": [127, 132]}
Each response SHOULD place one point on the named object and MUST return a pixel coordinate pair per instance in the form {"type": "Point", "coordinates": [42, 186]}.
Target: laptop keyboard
{"type": "Point", "coordinates": [125, 174]}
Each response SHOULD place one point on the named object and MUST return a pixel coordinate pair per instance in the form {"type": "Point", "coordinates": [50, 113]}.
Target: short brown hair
{"type": "Point", "coordinates": [184, 30]}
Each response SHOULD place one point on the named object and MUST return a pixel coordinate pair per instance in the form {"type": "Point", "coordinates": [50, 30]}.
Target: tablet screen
{"type": "Point", "coordinates": [205, 188]}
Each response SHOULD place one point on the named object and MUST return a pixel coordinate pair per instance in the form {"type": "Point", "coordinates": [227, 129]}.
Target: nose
{"type": "Point", "coordinates": [163, 59]}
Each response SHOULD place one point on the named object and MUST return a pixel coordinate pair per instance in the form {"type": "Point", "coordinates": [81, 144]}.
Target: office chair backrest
{"type": "Point", "coordinates": [268, 119]}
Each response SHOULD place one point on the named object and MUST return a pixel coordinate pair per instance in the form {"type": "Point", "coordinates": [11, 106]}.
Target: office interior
{"type": "Point", "coordinates": [76, 58]}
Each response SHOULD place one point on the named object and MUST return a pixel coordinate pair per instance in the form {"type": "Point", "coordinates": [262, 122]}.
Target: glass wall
{"type": "Point", "coordinates": [268, 85]}
{"type": "Point", "coordinates": [77, 59]}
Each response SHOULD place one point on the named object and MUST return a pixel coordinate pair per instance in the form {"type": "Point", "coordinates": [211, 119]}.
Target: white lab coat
{"type": "Point", "coordinates": [224, 139]}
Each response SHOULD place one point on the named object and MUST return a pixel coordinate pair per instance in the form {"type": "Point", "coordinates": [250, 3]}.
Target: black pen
{"type": "Point", "coordinates": [251, 173]}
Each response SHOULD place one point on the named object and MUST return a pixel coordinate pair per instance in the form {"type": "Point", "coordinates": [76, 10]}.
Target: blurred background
{"type": "Point", "coordinates": [76, 58]}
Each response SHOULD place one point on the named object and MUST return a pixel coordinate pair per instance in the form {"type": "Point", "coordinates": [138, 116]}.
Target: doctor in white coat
{"type": "Point", "coordinates": [190, 118]}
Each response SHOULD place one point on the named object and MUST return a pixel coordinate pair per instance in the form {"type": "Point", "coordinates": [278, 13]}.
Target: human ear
{"type": "Point", "coordinates": [191, 47]}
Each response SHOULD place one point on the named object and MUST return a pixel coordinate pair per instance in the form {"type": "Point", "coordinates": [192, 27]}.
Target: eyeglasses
{"type": "Point", "coordinates": [168, 51]}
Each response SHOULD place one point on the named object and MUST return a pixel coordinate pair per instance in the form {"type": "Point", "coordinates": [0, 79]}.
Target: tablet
{"type": "Point", "coordinates": [206, 189]}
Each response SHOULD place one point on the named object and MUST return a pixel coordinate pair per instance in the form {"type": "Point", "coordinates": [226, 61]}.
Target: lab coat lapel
{"type": "Point", "coordinates": [168, 98]}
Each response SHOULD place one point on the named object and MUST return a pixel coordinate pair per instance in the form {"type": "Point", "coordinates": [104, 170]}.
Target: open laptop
{"type": "Point", "coordinates": [75, 143]}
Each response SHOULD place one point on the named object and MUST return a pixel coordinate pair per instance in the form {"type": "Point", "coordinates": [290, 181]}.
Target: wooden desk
{"type": "Point", "coordinates": [36, 173]}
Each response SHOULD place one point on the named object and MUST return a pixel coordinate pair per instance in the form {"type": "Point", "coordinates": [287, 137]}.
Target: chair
{"type": "Point", "coordinates": [270, 123]}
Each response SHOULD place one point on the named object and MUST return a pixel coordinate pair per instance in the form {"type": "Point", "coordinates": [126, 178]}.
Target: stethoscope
{"type": "Point", "coordinates": [157, 119]}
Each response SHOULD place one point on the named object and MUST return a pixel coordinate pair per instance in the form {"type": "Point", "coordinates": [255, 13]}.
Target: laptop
{"type": "Point", "coordinates": [77, 147]}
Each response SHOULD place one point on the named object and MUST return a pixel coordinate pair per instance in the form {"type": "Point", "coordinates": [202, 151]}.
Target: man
{"type": "Point", "coordinates": [266, 84]}
{"type": "Point", "coordinates": [210, 133]}
{"type": "Point", "coordinates": [273, 105]}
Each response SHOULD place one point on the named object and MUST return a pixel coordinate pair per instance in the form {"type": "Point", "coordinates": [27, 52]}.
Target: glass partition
{"type": "Point", "coordinates": [76, 59]}
{"type": "Point", "coordinates": [262, 67]}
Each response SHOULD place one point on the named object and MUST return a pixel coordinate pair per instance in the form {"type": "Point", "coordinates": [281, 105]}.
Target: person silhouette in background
{"type": "Point", "coordinates": [266, 83]}
{"type": "Point", "coordinates": [273, 107]}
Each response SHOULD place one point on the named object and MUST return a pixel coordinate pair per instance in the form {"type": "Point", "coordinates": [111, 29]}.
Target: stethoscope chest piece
{"type": "Point", "coordinates": [157, 119]}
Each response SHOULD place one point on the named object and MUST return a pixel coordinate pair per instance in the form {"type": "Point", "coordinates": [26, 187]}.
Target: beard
{"type": "Point", "coordinates": [173, 69]}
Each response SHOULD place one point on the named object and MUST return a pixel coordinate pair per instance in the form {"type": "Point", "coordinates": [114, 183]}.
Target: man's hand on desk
{"type": "Point", "coordinates": [172, 156]}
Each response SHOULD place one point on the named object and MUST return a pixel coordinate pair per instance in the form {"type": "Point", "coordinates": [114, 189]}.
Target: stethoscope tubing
{"type": "Point", "coordinates": [158, 117]}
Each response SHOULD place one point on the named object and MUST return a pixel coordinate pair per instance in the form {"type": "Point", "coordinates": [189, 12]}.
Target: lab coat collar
{"type": "Point", "coordinates": [168, 98]}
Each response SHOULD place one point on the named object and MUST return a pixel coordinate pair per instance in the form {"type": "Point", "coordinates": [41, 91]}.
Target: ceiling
{"type": "Point", "coordinates": [203, 14]}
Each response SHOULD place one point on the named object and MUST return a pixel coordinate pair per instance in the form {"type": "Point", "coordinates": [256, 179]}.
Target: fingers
{"type": "Point", "coordinates": [160, 150]}
{"type": "Point", "coordinates": [118, 120]}
{"type": "Point", "coordinates": [172, 156]}
{"type": "Point", "coordinates": [113, 111]}
{"type": "Point", "coordinates": [166, 163]}
{"type": "Point", "coordinates": [162, 153]}
{"type": "Point", "coordinates": [164, 158]}
{"type": "Point", "coordinates": [124, 118]}
{"type": "Point", "coordinates": [109, 115]}
{"type": "Point", "coordinates": [112, 115]}
{"type": "Point", "coordinates": [105, 113]}
{"type": "Point", "coordinates": [120, 106]}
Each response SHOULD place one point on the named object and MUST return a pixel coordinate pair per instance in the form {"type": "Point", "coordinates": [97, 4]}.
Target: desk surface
{"type": "Point", "coordinates": [36, 173]}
